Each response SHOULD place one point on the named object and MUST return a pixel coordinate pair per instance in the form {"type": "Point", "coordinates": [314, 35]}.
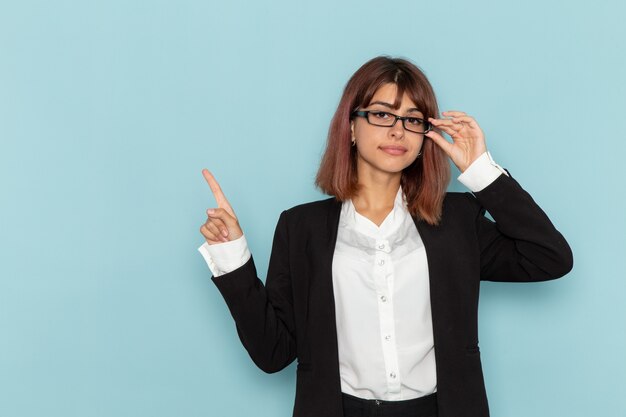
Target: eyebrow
{"type": "Point", "coordinates": [382, 103]}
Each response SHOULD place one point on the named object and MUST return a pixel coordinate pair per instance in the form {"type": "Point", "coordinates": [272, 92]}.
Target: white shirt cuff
{"type": "Point", "coordinates": [225, 257]}
{"type": "Point", "coordinates": [482, 172]}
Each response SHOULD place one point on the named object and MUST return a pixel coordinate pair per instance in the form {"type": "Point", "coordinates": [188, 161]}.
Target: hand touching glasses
{"type": "Point", "coordinates": [468, 140]}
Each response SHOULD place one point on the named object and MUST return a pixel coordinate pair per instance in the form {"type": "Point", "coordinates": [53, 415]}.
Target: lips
{"type": "Point", "coordinates": [394, 150]}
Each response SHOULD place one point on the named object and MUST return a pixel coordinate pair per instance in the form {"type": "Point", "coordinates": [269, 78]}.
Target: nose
{"type": "Point", "coordinates": [397, 130]}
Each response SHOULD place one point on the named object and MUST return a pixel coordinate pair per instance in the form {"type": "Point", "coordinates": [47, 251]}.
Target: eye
{"type": "Point", "coordinates": [414, 121]}
{"type": "Point", "coordinates": [380, 115]}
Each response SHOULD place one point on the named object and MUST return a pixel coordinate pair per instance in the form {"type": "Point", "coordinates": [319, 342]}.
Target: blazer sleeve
{"type": "Point", "coordinates": [263, 314]}
{"type": "Point", "coordinates": [522, 245]}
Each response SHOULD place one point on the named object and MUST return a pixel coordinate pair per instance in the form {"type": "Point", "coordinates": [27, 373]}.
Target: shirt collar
{"type": "Point", "coordinates": [352, 219]}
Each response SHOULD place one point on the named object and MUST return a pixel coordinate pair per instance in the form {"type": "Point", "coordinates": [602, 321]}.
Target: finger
{"type": "Point", "coordinates": [447, 129]}
{"type": "Point", "coordinates": [443, 121]}
{"type": "Point", "coordinates": [220, 198]}
{"type": "Point", "coordinates": [232, 224]}
{"type": "Point", "coordinates": [440, 141]}
{"type": "Point", "coordinates": [454, 113]}
{"type": "Point", "coordinates": [221, 226]}
{"type": "Point", "coordinates": [224, 216]}
{"type": "Point", "coordinates": [213, 230]}
{"type": "Point", "coordinates": [466, 119]}
{"type": "Point", "coordinates": [210, 237]}
{"type": "Point", "coordinates": [217, 233]}
{"type": "Point", "coordinates": [216, 227]}
{"type": "Point", "coordinates": [448, 123]}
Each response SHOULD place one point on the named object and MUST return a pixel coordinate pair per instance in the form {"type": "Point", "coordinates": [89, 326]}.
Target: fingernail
{"type": "Point", "coordinates": [210, 211]}
{"type": "Point", "coordinates": [225, 233]}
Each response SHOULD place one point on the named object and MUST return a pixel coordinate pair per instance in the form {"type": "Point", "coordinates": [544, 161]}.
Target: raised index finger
{"type": "Point", "coordinates": [220, 198]}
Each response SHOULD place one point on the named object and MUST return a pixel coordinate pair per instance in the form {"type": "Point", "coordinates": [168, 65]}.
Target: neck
{"type": "Point", "coordinates": [377, 192]}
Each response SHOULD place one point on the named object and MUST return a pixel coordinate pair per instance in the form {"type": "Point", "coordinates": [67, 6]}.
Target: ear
{"type": "Point", "coordinates": [352, 128]}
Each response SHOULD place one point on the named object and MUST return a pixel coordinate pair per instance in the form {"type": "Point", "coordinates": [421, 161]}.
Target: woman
{"type": "Point", "coordinates": [375, 290]}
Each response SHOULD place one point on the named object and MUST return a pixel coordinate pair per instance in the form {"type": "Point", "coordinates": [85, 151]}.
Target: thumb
{"type": "Point", "coordinates": [440, 141]}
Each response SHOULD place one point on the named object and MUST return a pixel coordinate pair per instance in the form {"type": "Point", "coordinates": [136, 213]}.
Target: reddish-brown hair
{"type": "Point", "coordinates": [425, 181]}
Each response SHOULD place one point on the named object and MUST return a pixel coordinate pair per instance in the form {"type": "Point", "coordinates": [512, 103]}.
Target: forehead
{"type": "Point", "coordinates": [388, 93]}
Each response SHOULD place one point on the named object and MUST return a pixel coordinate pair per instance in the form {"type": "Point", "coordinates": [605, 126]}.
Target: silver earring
{"type": "Point", "coordinates": [353, 141]}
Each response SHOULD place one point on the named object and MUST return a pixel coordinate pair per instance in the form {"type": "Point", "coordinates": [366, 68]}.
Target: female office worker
{"type": "Point", "coordinates": [375, 290]}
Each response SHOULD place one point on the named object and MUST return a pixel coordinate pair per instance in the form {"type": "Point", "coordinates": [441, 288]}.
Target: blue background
{"type": "Point", "coordinates": [109, 111]}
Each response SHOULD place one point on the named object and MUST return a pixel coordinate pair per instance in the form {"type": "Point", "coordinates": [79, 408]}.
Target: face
{"type": "Point", "coordinates": [386, 150]}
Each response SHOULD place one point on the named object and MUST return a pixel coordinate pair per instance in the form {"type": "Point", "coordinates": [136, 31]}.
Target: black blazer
{"type": "Point", "coordinates": [293, 314]}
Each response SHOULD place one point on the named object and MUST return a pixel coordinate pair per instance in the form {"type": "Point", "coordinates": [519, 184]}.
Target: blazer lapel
{"type": "Point", "coordinates": [327, 344]}
{"type": "Point", "coordinates": [329, 241]}
{"type": "Point", "coordinates": [435, 248]}
{"type": "Point", "coordinates": [319, 312]}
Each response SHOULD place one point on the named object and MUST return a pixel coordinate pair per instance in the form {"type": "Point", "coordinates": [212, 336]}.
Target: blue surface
{"type": "Point", "coordinates": [109, 111]}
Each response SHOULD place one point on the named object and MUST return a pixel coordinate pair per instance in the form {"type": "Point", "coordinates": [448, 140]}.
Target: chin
{"type": "Point", "coordinates": [394, 168]}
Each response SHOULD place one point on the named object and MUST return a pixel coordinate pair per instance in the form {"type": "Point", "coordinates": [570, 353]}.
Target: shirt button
{"type": "Point", "coordinates": [381, 262]}
{"type": "Point", "coordinates": [381, 246]}
{"type": "Point", "coordinates": [388, 338]}
{"type": "Point", "coordinates": [383, 298]}
{"type": "Point", "coordinates": [393, 375]}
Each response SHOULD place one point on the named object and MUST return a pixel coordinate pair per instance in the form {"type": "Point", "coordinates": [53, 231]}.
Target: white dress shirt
{"type": "Point", "coordinates": [382, 305]}
{"type": "Point", "coordinates": [382, 296]}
